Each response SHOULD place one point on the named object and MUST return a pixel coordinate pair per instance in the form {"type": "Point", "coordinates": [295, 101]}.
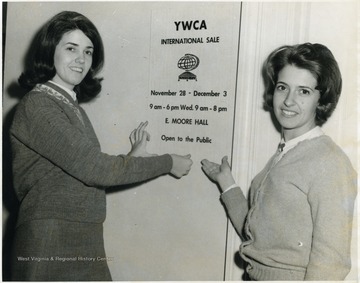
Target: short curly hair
{"type": "Point", "coordinates": [41, 66]}
{"type": "Point", "coordinates": [315, 58]}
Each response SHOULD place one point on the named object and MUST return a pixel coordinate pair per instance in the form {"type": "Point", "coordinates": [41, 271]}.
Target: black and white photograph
{"type": "Point", "coordinates": [180, 140]}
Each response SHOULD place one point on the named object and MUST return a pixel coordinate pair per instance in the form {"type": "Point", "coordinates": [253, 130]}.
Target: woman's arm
{"type": "Point", "coordinates": [233, 199]}
{"type": "Point", "coordinates": [181, 165]}
{"type": "Point", "coordinates": [332, 200]}
{"type": "Point", "coordinates": [236, 207]}
{"type": "Point", "coordinates": [44, 128]}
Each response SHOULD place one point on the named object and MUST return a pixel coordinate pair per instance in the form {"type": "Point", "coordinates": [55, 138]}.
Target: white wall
{"type": "Point", "coordinates": [264, 27]}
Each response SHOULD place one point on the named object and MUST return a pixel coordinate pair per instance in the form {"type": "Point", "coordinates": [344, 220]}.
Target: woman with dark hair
{"type": "Point", "coordinates": [60, 173]}
{"type": "Point", "coordinates": [42, 66]}
{"type": "Point", "coordinates": [318, 60]}
{"type": "Point", "coordinates": [296, 224]}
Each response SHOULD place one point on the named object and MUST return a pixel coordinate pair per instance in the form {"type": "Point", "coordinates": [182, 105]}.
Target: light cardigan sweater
{"type": "Point", "coordinates": [58, 167]}
{"type": "Point", "coordinates": [297, 222]}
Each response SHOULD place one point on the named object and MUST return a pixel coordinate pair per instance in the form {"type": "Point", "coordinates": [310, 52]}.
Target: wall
{"type": "Point", "coordinates": [171, 229]}
{"type": "Point", "coordinates": [264, 27]}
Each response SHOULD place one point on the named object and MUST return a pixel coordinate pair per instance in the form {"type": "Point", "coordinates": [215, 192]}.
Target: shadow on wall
{"type": "Point", "coordinates": [242, 265]}
{"type": "Point", "coordinates": [10, 202]}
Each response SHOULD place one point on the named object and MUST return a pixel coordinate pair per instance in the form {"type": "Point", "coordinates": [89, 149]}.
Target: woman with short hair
{"type": "Point", "coordinates": [296, 224]}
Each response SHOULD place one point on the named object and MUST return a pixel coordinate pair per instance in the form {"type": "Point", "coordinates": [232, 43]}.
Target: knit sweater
{"type": "Point", "coordinates": [298, 226]}
{"type": "Point", "coordinates": [59, 169]}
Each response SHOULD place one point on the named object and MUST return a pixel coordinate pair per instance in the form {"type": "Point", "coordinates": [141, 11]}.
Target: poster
{"type": "Point", "coordinates": [193, 77]}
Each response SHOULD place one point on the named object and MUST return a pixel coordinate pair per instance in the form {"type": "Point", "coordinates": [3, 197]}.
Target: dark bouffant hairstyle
{"type": "Point", "coordinates": [315, 58]}
{"type": "Point", "coordinates": [41, 66]}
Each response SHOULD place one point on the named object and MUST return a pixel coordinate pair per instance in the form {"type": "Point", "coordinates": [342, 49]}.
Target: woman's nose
{"type": "Point", "coordinates": [80, 59]}
{"type": "Point", "coordinates": [289, 99]}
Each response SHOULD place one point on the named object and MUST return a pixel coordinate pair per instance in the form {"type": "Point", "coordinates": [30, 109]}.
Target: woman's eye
{"type": "Point", "coordinates": [89, 52]}
{"type": "Point", "coordinates": [280, 87]}
{"type": "Point", "coordinates": [70, 48]}
{"type": "Point", "coordinates": [304, 92]}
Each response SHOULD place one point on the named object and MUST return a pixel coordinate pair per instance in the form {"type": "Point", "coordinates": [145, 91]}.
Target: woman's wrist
{"type": "Point", "coordinates": [226, 182]}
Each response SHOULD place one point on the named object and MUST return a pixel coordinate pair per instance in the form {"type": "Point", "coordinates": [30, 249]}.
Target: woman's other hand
{"type": "Point", "coordinates": [139, 138]}
{"type": "Point", "coordinates": [219, 173]}
{"type": "Point", "coordinates": [181, 165]}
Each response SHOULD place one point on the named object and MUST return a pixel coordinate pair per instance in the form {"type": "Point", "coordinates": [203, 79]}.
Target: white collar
{"type": "Point", "coordinates": [68, 91]}
{"type": "Point", "coordinates": [313, 133]}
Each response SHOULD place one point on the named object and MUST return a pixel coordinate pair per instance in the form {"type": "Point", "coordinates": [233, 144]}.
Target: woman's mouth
{"type": "Point", "coordinates": [77, 69]}
{"type": "Point", "coordinates": [288, 113]}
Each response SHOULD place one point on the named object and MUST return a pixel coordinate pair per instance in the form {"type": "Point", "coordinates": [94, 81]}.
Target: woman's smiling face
{"type": "Point", "coordinates": [295, 101]}
{"type": "Point", "coordinates": [72, 58]}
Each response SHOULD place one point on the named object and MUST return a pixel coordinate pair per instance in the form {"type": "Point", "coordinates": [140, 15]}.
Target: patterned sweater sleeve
{"type": "Point", "coordinates": [43, 127]}
{"type": "Point", "coordinates": [236, 207]}
{"type": "Point", "coordinates": [331, 200]}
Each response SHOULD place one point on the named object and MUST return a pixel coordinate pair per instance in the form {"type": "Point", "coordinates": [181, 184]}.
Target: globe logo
{"type": "Point", "coordinates": [188, 63]}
